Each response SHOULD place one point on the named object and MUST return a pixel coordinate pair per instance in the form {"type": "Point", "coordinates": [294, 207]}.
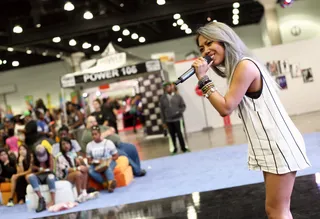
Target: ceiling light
{"type": "Point", "coordinates": [235, 11]}
{"type": "Point", "coordinates": [58, 56]}
{"type": "Point", "coordinates": [235, 22]}
{"type": "Point", "coordinates": [10, 49]}
{"type": "Point", "coordinates": [56, 39]}
{"type": "Point", "coordinates": [161, 2]}
{"type": "Point", "coordinates": [188, 31]}
{"type": "Point", "coordinates": [208, 18]}
{"type": "Point", "coordinates": [87, 15]}
{"type": "Point", "coordinates": [98, 93]}
{"type": "Point", "coordinates": [0, 62]}
{"type": "Point", "coordinates": [214, 21]}
{"type": "Point", "coordinates": [121, 5]}
{"type": "Point", "coordinates": [174, 24]}
{"type": "Point", "coordinates": [134, 36]}
{"type": "Point", "coordinates": [235, 17]}
{"type": "Point", "coordinates": [142, 39]}
{"type": "Point", "coordinates": [38, 25]}
{"type": "Point", "coordinates": [86, 45]}
{"type": "Point", "coordinates": [184, 27]}
{"type": "Point", "coordinates": [17, 29]}
{"type": "Point", "coordinates": [180, 22]}
{"type": "Point", "coordinates": [72, 42]}
{"type": "Point", "coordinates": [15, 63]}
{"type": "Point", "coordinates": [4, 62]}
{"type": "Point", "coordinates": [85, 95]}
{"type": "Point", "coordinates": [68, 6]}
{"type": "Point", "coordinates": [116, 28]}
{"type": "Point", "coordinates": [119, 39]}
{"type": "Point", "coordinates": [96, 48]}
{"type": "Point", "coordinates": [236, 5]}
{"type": "Point", "coordinates": [126, 32]}
{"type": "Point", "coordinates": [29, 51]}
{"type": "Point", "coordinates": [176, 16]}
{"type": "Point", "coordinates": [45, 53]}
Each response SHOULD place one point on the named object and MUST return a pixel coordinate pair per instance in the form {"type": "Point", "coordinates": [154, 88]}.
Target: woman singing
{"type": "Point", "coordinates": [275, 146]}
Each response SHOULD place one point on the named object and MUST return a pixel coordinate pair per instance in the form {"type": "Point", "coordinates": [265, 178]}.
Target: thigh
{"type": "Point", "coordinates": [177, 126]}
{"type": "Point", "coordinates": [279, 189]}
{"type": "Point", "coordinates": [72, 177]}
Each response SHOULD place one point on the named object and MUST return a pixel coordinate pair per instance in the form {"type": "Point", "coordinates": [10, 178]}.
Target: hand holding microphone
{"type": "Point", "coordinates": [200, 67]}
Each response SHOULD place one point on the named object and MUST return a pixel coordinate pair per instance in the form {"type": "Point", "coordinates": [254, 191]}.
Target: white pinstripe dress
{"type": "Point", "coordinates": [275, 145]}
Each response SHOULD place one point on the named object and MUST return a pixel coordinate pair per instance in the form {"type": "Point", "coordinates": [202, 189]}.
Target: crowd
{"type": "Point", "coordinates": [38, 148]}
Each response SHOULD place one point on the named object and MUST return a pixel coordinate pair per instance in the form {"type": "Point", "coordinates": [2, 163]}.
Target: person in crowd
{"type": "Point", "coordinates": [64, 133]}
{"type": "Point", "coordinates": [7, 166]}
{"type": "Point", "coordinates": [172, 108]}
{"type": "Point", "coordinates": [42, 125]}
{"type": "Point", "coordinates": [31, 129]}
{"type": "Point", "coordinates": [124, 148]}
{"type": "Point", "coordinates": [276, 147]}
{"type": "Point", "coordinates": [42, 173]}
{"type": "Point", "coordinates": [69, 168]}
{"type": "Point", "coordinates": [18, 181]}
{"type": "Point", "coordinates": [99, 113]}
{"type": "Point", "coordinates": [110, 108]}
{"type": "Point", "coordinates": [12, 142]}
{"type": "Point", "coordinates": [102, 152]}
{"type": "Point", "coordinates": [75, 117]}
{"type": "Point", "coordinates": [19, 128]}
{"type": "Point", "coordinates": [136, 111]}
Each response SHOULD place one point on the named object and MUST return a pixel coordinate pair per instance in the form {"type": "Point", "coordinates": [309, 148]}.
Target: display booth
{"type": "Point", "coordinates": [116, 65]}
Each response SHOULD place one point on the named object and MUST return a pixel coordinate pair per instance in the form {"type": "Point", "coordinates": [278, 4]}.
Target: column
{"type": "Point", "coordinates": [270, 25]}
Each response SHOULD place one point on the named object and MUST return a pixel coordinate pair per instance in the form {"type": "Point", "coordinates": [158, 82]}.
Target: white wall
{"type": "Point", "coordinates": [297, 99]}
{"type": "Point", "coordinates": [250, 34]}
{"type": "Point", "coordinates": [303, 14]}
{"type": "Point", "coordinates": [37, 81]}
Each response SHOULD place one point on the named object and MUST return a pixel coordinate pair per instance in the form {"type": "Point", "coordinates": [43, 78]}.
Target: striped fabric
{"type": "Point", "coordinates": [275, 145]}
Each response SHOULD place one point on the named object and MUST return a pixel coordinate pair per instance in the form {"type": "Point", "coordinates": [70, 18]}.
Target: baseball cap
{"type": "Point", "coordinates": [41, 153]}
{"type": "Point", "coordinates": [25, 114]}
{"type": "Point", "coordinates": [166, 83]}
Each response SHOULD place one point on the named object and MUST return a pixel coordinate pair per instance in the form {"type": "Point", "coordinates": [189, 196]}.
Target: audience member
{"type": "Point", "coordinates": [7, 166]}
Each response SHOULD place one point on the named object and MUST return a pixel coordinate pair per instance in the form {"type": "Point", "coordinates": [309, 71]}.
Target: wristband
{"type": "Point", "coordinates": [203, 81]}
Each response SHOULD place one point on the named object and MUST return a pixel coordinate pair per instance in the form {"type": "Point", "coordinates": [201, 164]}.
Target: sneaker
{"type": "Point", "coordinates": [10, 203]}
{"type": "Point", "coordinates": [93, 195]}
{"type": "Point", "coordinates": [82, 198]}
{"type": "Point", "coordinates": [41, 205]}
{"type": "Point", "coordinates": [142, 173]}
{"type": "Point", "coordinates": [112, 185]}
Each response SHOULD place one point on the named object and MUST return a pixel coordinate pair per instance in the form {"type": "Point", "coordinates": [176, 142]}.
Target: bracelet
{"type": "Point", "coordinates": [207, 87]}
{"type": "Point", "coordinates": [203, 81]}
{"type": "Point", "coordinates": [211, 91]}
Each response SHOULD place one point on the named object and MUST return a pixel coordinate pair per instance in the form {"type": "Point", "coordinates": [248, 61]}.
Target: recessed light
{"type": "Point", "coordinates": [87, 15]}
{"type": "Point", "coordinates": [236, 5]}
{"type": "Point", "coordinates": [188, 31]}
{"type": "Point", "coordinates": [4, 62]}
{"type": "Point", "coordinates": [176, 16]}
{"type": "Point", "coordinates": [121, 5]}
{"type": "Point", "coordinates": [96, 48]}
{"type": "Point", "coordinates": [235, 17]}
{"type": "Point", "coordinates": [58, 56]}
{"type": "Point", "coordinates": [180, 22]}
{"type": "Point", "coordinates": [119, 39]}
{"type": "Point", "coordinates": [116, 28]}
{"type": "Point", "coordinates": [235, 22]}
{"type": "Point", "coordinates": [72, 42]}
{"type": "Point", "coordinates": [29, 51]}
{"type": "Point", "coordinates": [10, 49]}
{"type": "Point", "coordinates": [161, 2]}
{"type": "Point", "coordinates": [38, 25]}
{"type": "Point", "coordinates": [126, 32]}
{"type": "Point", "coordinates": [235, 11]}
{"type": "Point", "coordinates": [56, 39]}
{"type": "Point", "coordinates": [184, 27]}
{"type": "Point", "coordinates": [86, 45]}
{"type": "Point", "coordinates": [214, 21]}
{"type": "Point", "coordinates": [208, 18]}
{"type": "Point", "coordinates": [174, 24]}
{"type": "Point", "coordinates": [15, 63]}
{"type": "Point", "coordinates": [134, 36]}
{"type": "Point", "coordinates": [17, 29]}
{"type": "Point", "coordinates": [142, 39]}
{"type": "Point", "coordinates": [68, 6]}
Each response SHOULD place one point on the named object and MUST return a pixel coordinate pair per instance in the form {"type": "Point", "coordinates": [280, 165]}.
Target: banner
{"type": "Point", "coordinates": [140, 68]}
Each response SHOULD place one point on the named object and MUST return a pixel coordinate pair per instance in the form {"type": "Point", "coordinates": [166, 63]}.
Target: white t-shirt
{"type": "Point", "coordinates": [102, 150]}
{"type": "Point", "coordinates": [75, 147]}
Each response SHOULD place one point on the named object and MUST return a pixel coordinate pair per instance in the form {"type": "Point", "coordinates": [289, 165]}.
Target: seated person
{"type": "Point", "coordinates": [101, 151]}
{"type": "Point", "coordinates": [18, 181]}
{"type": "Point", "coordinates": [64, 133]}
{"type": "Point", "coordinates": [69, 168]}
{"type": "Point", "coordinates": [12, 142]}
{"type": "Point", "coordinates": [124, 148]}
{"type": "Point", "coordinates": [42, 173]}
{"type": "Point", "coordinates": [7, 166]}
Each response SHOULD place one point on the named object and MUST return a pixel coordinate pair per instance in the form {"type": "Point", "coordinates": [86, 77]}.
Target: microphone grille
{"type": "Point", "coordinates": [208, 58]}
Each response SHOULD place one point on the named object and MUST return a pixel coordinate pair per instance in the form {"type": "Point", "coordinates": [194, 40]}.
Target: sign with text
{"type": "Point", "coordinates": [140, 68]}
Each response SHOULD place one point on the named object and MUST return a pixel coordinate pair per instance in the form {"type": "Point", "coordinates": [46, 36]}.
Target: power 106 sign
{"type": "Point", "coordinates": [140, 68]}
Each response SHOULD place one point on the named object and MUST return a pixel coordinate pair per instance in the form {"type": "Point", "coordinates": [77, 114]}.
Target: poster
{"type": "Point", "coordinates": [29, 100]}
{"type": "Point", "coordinates": [307, 75]}
{"type": "Point", "coordinates": [295, 71]}
{"type": "Point", "coordinates": [282, 81]}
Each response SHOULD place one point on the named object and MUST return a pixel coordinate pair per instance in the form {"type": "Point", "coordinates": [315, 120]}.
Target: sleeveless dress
{"type": "Point", "coordinates": [275, 145]}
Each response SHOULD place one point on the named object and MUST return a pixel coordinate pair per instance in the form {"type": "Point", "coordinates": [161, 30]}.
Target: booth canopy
{"type": "Point", "coordinates": [114, 63]}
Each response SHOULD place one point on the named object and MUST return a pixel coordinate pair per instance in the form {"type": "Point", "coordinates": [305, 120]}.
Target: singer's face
{"type": "Point", "coordinates": [210, 48]}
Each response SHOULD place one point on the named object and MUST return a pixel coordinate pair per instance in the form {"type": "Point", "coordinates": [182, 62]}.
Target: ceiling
{"type": "Point", "coordinates": [145, 17]}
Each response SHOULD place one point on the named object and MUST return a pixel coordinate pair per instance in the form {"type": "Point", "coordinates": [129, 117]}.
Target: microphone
{"type": "Point", "coordinates": [190, 72]}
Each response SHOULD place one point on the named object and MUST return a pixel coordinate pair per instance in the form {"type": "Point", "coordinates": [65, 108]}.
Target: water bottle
{"type": "Point", "coordinates": [28, 203]}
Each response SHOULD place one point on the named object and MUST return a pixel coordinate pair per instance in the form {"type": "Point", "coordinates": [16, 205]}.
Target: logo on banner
{"type": "Point", "coordinates": [153, 65]}
{"type": "Point", "coordinates": [68, 81]}
{"type": "Point", "coordinates": [113, 61]}
{"type": "Point", "coordinates": [99, 76]}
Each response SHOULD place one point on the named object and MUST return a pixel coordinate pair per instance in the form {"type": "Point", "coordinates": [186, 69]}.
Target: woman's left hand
{"type": "Point", "coordinates": [201, 67]}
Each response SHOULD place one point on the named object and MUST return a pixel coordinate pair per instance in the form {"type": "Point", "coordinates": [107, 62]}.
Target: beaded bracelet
{"type": "Point", "coordinates": [203, 81]}
{"type": "Point", "coordinates": [207, 87]}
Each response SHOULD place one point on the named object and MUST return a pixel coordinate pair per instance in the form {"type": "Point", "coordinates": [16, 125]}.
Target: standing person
{"type": "Point", "coordinates": [110, 107]}
{"type": "Point", "coordinates": [276, 147]}
{"type": "Point", "coordinates": [98, 112]}
{"type": "Point", "coordinates": [172, 107]}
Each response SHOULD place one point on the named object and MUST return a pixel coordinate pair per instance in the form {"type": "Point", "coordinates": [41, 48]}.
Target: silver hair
{"type": "Point", "coordinates": [235, 49]}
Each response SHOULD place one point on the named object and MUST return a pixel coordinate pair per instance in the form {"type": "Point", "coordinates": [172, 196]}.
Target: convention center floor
{"type": "Point", "coordinates": [212, 181]}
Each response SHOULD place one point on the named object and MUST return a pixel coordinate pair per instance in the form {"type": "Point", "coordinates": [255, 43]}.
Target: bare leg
{"type": "Point", "coordinates": [278, 195]}
{"type": "Point", "coordinates": [13, 185]}
{"type": "Point", "coordinates": [84, 170]}
{"type": "Point", "coordinates": [75, 178]}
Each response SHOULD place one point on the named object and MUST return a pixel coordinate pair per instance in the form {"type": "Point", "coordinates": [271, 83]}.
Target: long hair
{"type": "Point", "coordinates": [64, 153]}
{"type": "Point", "coordinates": [27, 161]}
{"type": "Point", "coordinates": [235, 49]}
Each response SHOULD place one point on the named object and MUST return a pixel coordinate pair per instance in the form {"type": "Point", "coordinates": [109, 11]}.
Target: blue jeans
{"type": "Point", "coordinates": [35, 182]}
{"type": "Point", "coordinates": [108, 173]}
{"type": "Point", "coordinates": [130, 151]}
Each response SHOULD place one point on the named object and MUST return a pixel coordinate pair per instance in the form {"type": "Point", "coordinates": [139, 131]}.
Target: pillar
{"type": "Point", "coordinates": [270, 24]}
